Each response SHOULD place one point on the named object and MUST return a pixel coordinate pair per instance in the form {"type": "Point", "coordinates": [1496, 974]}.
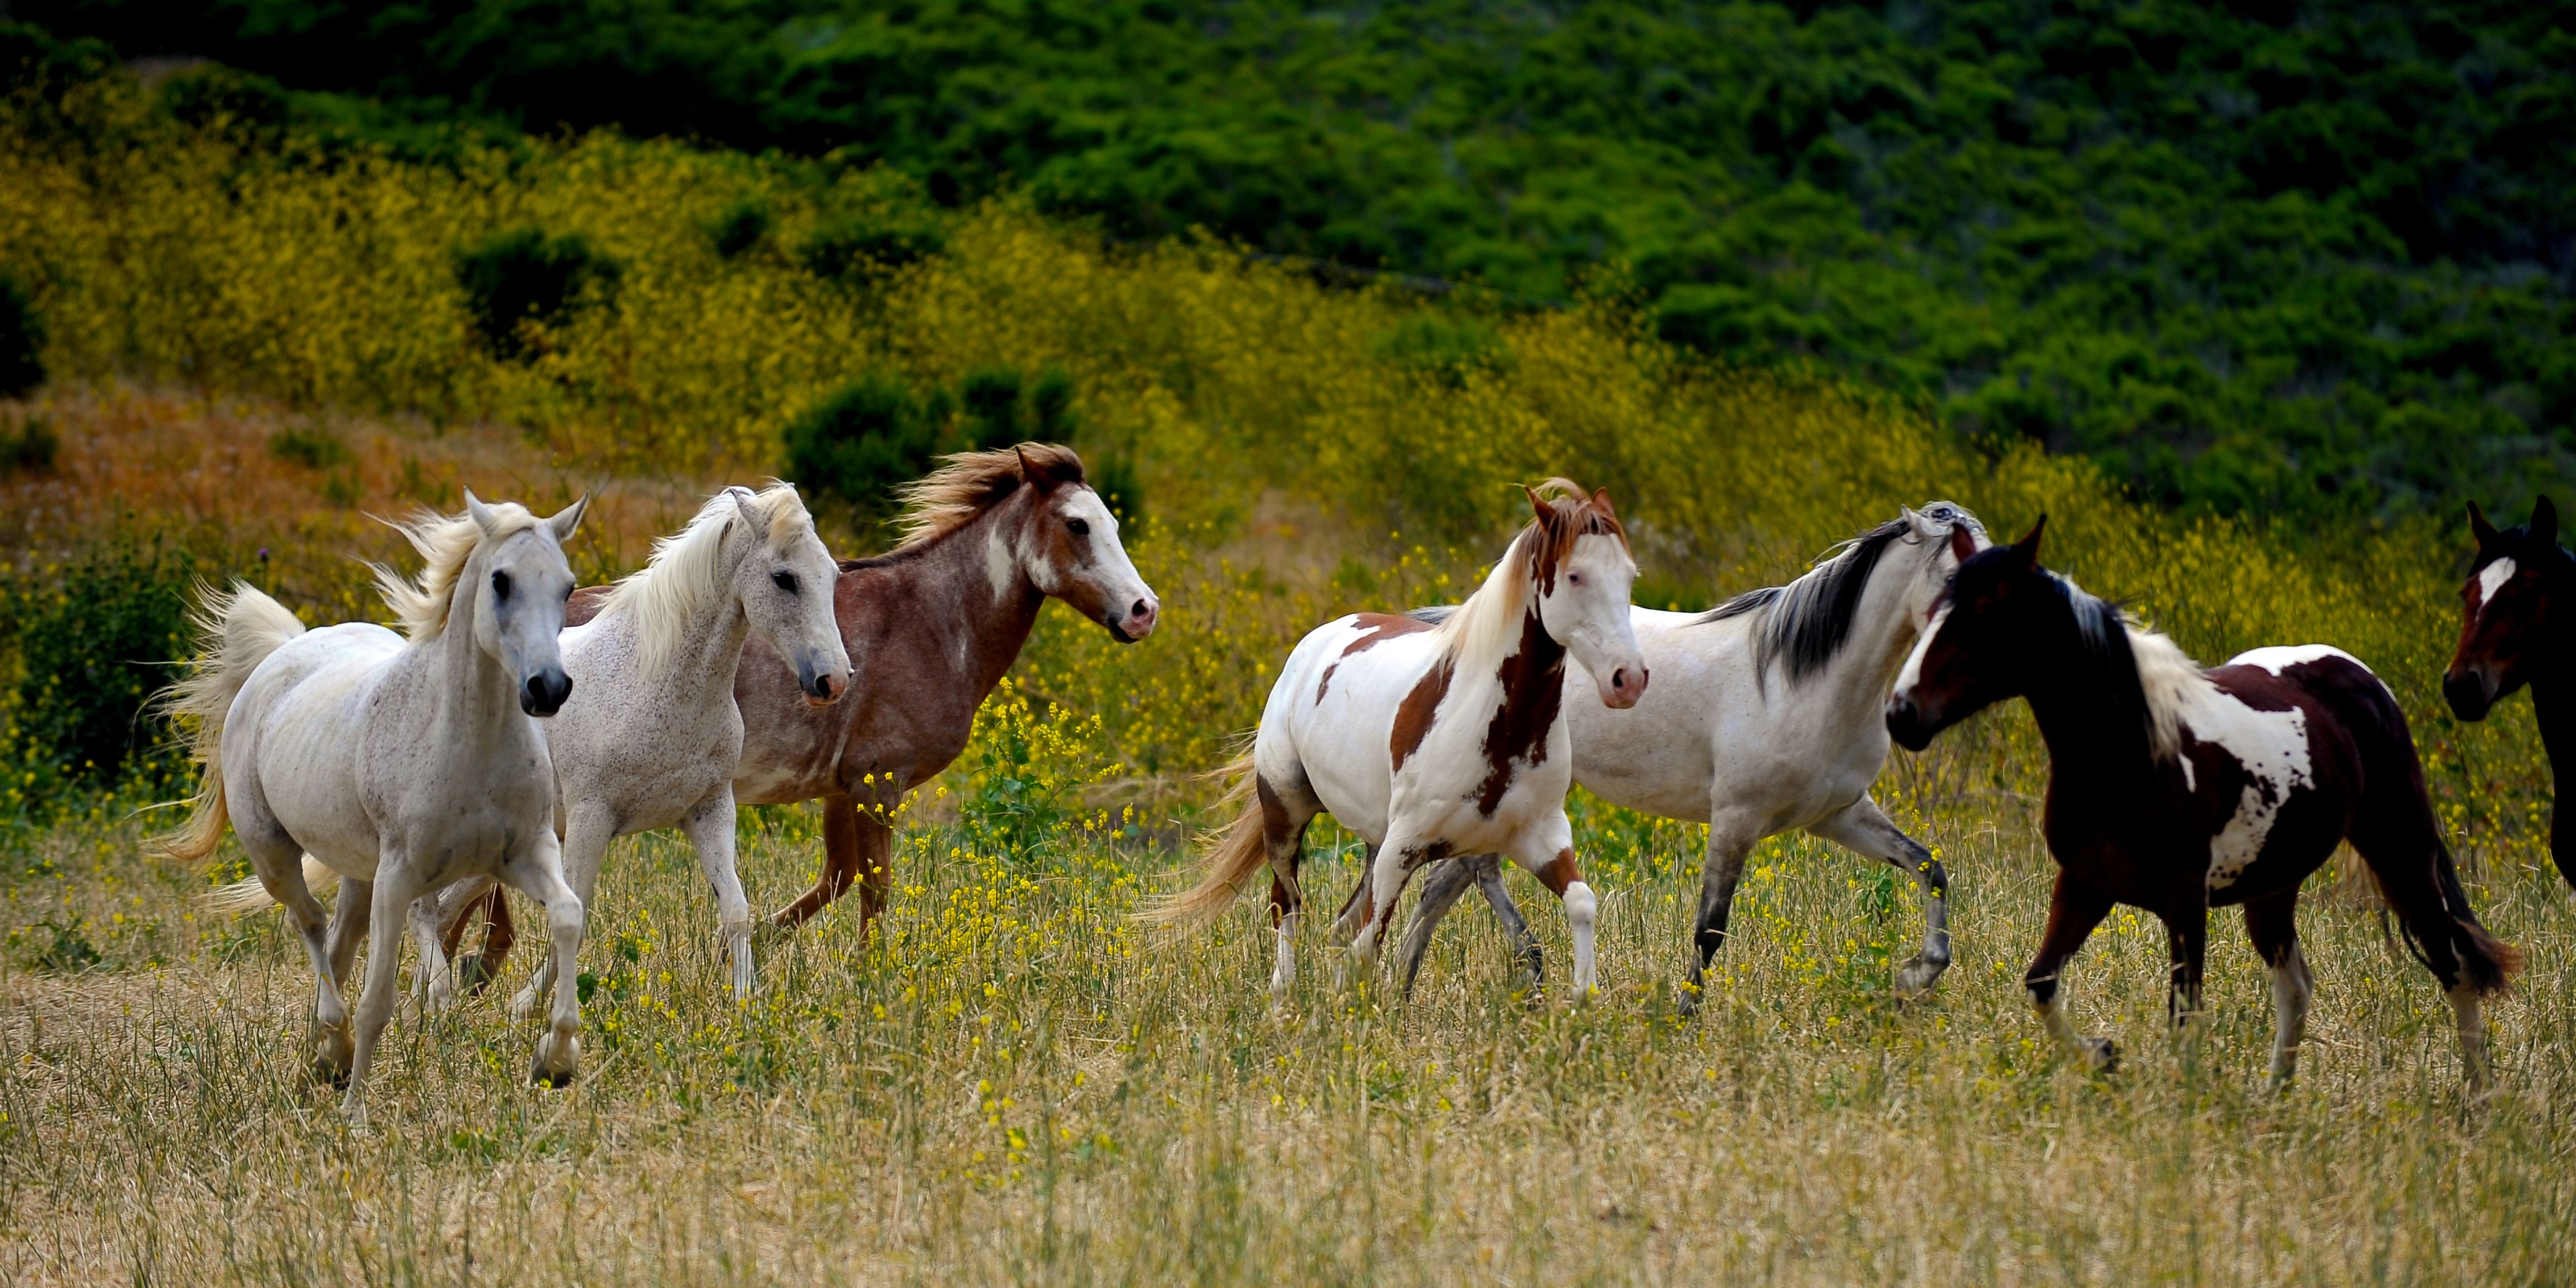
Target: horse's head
{"type": "Point", "coordinates": [1976, 650]}
{"type": "Point", "coordinates": [1583, 572]}
{"type": "Point", "coordinates": [2507, 609]}
{"type": "Point", "coordinates": [1947, 535]}
{"type": "Point", "coordinates": [520, 582]}
{"type": "Point", "coordinates": [783, 576]}
{"type": "Point", "coordinates": [1064, 541]}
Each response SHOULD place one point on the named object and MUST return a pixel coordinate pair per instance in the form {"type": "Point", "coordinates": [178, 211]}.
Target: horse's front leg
{"type": "Point", "coordinates": [2074, 909]}
{"type": "Point", "coordinates": [397, 884]}
{"type": "Point", "coordinates": [1546, 851]}
{"type": "Point", "coordinates": [434, 983]}
{"type": "Point", "coordinates": [710, 827]}
{"type": "Point", "coordinates": [588, 829]}
{"type": "Point", "coordinates": [2187, 948]}
{"type": "Point", "coordinates": [539, 874]}
{"type": "Point", "coordinates": [841, 864]}
{"type": "Point", "coordinates": [1863, 828]}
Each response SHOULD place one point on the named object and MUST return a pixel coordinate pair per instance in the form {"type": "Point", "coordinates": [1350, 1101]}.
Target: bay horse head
{"type": "Point", "coordinates": [1582, 574]}
{"type": "Point", "coordinates": [1977, 649]}
{"type": "Point", "coordinates": [2507, 609]}
{"type": "Point", "coordinates": [1050, 531]}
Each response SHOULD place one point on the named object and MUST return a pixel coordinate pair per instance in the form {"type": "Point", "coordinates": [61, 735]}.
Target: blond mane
{"type": "Point", "coordinates": [685, 573]}
{"type": "Point", "coordinates": [969, 483]}
{"type": "Point", "coordinates": [1488, 624]}
{"type": "Point", "coordinates": [445, 542]}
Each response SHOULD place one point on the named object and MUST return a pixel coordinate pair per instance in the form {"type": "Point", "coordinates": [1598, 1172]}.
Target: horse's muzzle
{"type": "Point", "coordinates": [2468, 693]}
{"type": "Point", "coordinates": [545, 692]}
{"type": "Point", "coordinates": [1624, 687]}
{"type": "Point", "coordinates": [1906, 724]}
{"type": "Point", "coordinates": [822, 688]}
{"type": "Point", "coordinates": [1135, 623]}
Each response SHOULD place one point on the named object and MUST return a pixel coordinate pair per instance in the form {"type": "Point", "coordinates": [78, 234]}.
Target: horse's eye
{"type": "Point", "coordinates": [1575, 577]}
{"type": "Point", "coordinates": [500, 585]}
{"type": "Point", "coordinates": [1078, 527]}
{"type": "Point", "coordinates": [786, 581]}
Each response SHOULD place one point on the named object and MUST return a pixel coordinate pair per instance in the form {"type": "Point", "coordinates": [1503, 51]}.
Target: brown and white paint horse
{"type": "Point", "coordinates": [2512, 633]}
{"type": "Point", "coordinates": [2175, 789]}
{"type": "Point", "coordinates": [931, 627]}
{"type": "Point", "coordinates": [1432, 741]}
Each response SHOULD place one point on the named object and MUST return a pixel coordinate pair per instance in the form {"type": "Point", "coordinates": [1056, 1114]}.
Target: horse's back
{"type": "Point", "coordinates": [2363, 706]}
{"type": "Point", "coordinates": [1331, 716]}
{"type": "Point", "coordinates": [291, 750]}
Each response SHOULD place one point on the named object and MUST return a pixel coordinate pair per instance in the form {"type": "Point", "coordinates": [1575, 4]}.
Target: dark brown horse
{"type": "Point", "coordinates": [2512, 634]}
{"type": "Point", "coordinates": [2176, 789]}
{"type": "Point", "coordinates": [931, 627]}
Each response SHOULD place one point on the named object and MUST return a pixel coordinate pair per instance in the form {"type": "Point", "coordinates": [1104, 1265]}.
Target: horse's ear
{"type": "Point", "coordinates": [1963, 543]}
{"type": "Point", "coordinates": [1538, 505]}
{"type": "Point", "coordinates": [1601, 502]}
{"type": "Point", "coordinates": [568, 518]}
{"type": "Point", "coordinates": [2544, 522]}
{"type": "Point", "coordinates": [1030, 473]}
{"type": "Point", "coordinates": [2479, 528]}
{"type": "Point", "coordinates": [2026, 551]}
{"type": "Point", "coordinates": [480, 513]}
{"type": "Point", "coordinates": [742, 499]}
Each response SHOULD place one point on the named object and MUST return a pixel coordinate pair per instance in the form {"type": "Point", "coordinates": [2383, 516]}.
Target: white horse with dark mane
{"type": "Point", "coordinates": [403, 763]}
{"type": "Point", "coordinates": [660, 744]}
{"type": "Point", "coordinates": [1766, 715]}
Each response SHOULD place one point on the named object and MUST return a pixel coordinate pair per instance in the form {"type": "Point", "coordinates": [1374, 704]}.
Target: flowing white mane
{"type": "Point", "coordinates": [445, 542]}
{"type": "Point", "coordinates": [2168, 679]}
{"type": "Point", "coordinates": [685, 576]}
{"type": "Point", "coordinates": [1488, 624]}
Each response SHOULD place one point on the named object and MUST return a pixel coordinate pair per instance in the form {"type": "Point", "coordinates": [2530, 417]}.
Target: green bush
{"type": "Point", "coordinates": [741, 228]}
{"type": "Point", "coordinates": [859, 247]}
{"type": "Point", "coordinates": [313, 449]}
{"type": "Point", "coordinates": [22, 341]}
{"type": "Point", "coordinates": [96, 639]}
{"type": "Point", "coordinates": [864, 442]}
{"type": "Point", "coordinates": [524, 276]}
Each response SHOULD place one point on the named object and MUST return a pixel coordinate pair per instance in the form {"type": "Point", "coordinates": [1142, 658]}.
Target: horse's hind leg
{"type": "Point", "coordinates": [1516, 931]}
{"type": "Point", "coordinates": [2272, 922]}
{"type": "Point", "coordinates": [1730, 839]}
{"type": "Point", "coordinates": [1447, 880]}
{"type": "Point", "coordinates": [1864, 828]}
{"type": "Point", "coordinates": [1284, 818]}
{"type": "Point", "coordinates": [841, 865]}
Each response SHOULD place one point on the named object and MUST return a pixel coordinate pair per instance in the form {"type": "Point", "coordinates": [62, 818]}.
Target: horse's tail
{"type": "Point", "coordinates": [1228, 857]}
{"type": "Point", "coordinates": [236, 631]}
{"type": "Point", "coordinates": [248, 895]}
{"type": "Point", "coordinates": [2486, 960]}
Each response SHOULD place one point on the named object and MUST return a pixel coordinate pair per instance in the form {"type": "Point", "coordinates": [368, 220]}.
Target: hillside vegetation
{"type": "Point", "coordinates": [2251, 258]}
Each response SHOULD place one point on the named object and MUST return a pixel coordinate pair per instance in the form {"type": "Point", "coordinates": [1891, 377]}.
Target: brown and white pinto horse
{"type": "Point", "coordinates": [2511, 634]}
{"type": "Point", "coordinates": [930, 627]}
{"type": "Point", "coordinates": [2176, 789]}
{"type": "Point", "coordinates": [1432, 741]}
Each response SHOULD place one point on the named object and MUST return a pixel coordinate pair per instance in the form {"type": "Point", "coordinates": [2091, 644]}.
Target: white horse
{"type": "Point", "coordinates": [1767, 715]}
{"type": "Point", "coordinates": [658, 747]}
{"type": "Point", "coordinates": [1433, 741]}
{"type": "Point", "coordinates": [403, 764]}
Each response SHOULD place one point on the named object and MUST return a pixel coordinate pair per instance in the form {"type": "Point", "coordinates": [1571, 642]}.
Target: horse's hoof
{"type": "Point", "coordinates": [333, 1053]}
{"type": "Point", "coordinates": [557, 1060]}
{"type": "Point", "coordinates": [2102, 1054]}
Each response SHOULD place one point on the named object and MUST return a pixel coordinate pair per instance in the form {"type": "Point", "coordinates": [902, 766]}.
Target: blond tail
{"type": "Point", "coordinates": [248, 895]}
{"type": "Point", "coordinates": [236, 631]}
{"type": "Point", "coordinates": [1228, 858]}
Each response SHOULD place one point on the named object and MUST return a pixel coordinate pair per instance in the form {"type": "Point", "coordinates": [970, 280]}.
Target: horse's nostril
{"type": "Point", "coordinates": [1141, 611]}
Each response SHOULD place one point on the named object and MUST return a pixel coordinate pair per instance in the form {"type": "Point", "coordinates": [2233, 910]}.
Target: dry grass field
{"type": "Point", "coordinates": [1010, 1083]}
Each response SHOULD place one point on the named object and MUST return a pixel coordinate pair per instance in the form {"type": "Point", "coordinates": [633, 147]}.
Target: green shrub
{"type": "Point", "coordinates": [1444, 348]}
{"type": "Point", "coordinates": [32, 447]}
{"type": "Point", "coordinates": [313, 449]}
{"type": "Point", "coordinates": [741, 228]}
{"type": "Point", "coordinates": [96, 640]}
{"type": "Point", "coordinates": [864, 442]}
{"type": "Point", "coordinates": [521, 277]}
{"type": "Point", "coordinates": [858, 247]}
{"type": "Point", "coordinates": [22, 341]}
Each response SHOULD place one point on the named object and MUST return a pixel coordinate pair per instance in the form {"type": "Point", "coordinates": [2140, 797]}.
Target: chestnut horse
{"type": "Point", "coordinates": [2175, 789]}
{"type": "Point", "coordinates": [931, 627]}
{"type": "Point", "coordinates": [1432, 741]}
{"type": "Point", "coordinates": [2510, 636]}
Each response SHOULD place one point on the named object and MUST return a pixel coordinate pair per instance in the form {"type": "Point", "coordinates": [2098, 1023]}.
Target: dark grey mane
{"type": "Point", "coordinates": [1806, 622]}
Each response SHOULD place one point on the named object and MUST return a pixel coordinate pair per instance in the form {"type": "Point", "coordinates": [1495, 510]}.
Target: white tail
{"type": "Point", "coordinates": [248, 895]}
{"type": "Point", "coordinates": [236, 631]}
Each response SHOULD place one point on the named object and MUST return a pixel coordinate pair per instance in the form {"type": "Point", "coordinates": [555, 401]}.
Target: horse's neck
{"type": "Point", "coordinates": [475, 699]}
{"type": "Point", "coordinates": [1530, 680]}
{"type": "Point", "coordinates": [962, 621]}
{"type": "Point", "coordinates": [700, 667]}
{"type": "Point", "coordinates": [1882, 630]}
{"type": "Point", "coordinates": [2553, 705]}
{"type": "Point", "coordinates": [2092, 744]}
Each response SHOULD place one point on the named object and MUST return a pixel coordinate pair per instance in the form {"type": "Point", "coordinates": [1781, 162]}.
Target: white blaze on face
{"type": "Point", "coordinates": [2492, 579]}
{"type": "Point", "coordinates": [1913, 672]}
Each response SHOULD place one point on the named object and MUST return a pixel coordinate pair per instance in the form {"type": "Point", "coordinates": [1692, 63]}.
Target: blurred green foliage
{"type": "Point", "coordinates": [2267, 257]}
